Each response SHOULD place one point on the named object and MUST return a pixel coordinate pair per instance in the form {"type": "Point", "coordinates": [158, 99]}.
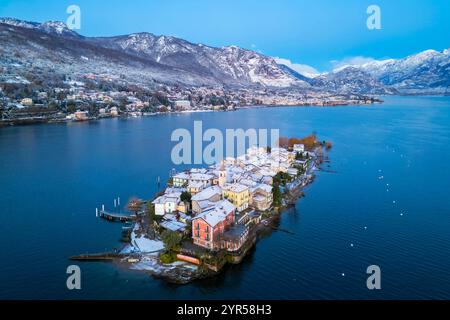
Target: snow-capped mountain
{"type": "Point", "coordinates": [351, 80]}
{"type": "Point", "coordinates": [58, 28]}
{"type": "Point", "coordinates": [146, 58]}
{"type": "Point", "coordinates": [425, 72]}
{"type": "Point", "coordinates": [51, 27]}
{"type": "Point", "coordinates": [231, 63]}
{"type": "Point", "coordinates": [20, 23]}
{"type": "Point", "coordinates": [184, 62]}
{"type": "Point", "coordinates": [306, 78]}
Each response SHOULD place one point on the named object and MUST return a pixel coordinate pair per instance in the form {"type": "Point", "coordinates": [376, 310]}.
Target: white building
{"type": "Point", "coordinates": [205, 179]}
{"type": "Point", "coordinates": [299, 148]}
{"type": "Point", "coordinates": [167, 203]}
{"type": "Point", "coordinates": [180, 179]}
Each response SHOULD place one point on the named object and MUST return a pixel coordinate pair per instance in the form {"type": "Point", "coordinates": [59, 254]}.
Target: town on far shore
{"type": "Point", "coordinates": [209, 217]}
{"type": "Point", "coordinates": [96, 96]}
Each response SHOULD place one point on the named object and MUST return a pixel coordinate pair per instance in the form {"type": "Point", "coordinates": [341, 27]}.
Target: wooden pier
{"type": "Point", "coordinates": [116, 216]}
{"type": "Point", "coordinates": [106, 256]}
{"type": "Point", "coordinates": [97, 257]}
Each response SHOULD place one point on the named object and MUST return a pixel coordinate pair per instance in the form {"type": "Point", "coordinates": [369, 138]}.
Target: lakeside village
{"type": "Point", "coordinates": [25, 100]}
{"type": "Point", "coordinates": [209, 217]}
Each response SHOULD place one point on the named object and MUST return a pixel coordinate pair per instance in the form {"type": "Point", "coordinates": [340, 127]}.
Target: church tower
{"type": "Point", "coordinates": [222, 175]}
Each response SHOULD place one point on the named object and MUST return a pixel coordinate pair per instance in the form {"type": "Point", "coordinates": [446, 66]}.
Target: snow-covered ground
{"type": "Point", "coordinates": [144, 245]}
{"type": "Point", "coordinates": [148, 251]}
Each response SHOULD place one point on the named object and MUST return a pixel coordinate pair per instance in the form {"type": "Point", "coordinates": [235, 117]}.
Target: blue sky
{"type": "Point", "coordinates": [319, 33]}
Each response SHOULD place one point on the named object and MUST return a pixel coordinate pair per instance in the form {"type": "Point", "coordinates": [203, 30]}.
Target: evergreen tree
{"type": "Point", "coordinates": [276, 193]}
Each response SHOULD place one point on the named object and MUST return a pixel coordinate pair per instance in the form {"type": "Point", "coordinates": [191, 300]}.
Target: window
{"type": "Point", "coordinates": [207, 233]}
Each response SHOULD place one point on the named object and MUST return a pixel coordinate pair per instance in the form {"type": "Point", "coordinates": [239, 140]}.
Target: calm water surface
{"type": "Point", "coordinates": [52, 177]}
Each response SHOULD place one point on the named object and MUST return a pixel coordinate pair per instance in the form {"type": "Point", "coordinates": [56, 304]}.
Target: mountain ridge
{"type": "Point", "coordinates": [148, 58]}
{"type": "Point", "coordinates": [201, 64]}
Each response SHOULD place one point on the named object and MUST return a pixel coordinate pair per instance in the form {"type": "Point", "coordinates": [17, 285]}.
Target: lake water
{"type": "Point", "coordinates": [52, 177]}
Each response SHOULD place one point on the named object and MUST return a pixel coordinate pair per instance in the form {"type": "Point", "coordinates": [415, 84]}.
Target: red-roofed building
{"type": "Point", "coordinates": [209, 227]}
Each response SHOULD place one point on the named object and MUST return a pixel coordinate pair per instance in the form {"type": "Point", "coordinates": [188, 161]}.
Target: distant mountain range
{"type": "Point", "coordinates": [148, 59]}
{"type": "Point", "coordinates": [427, 72]}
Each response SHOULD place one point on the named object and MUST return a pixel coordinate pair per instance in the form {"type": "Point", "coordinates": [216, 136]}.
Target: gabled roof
{"type": "Point", "coordinates": [182, 175]}
{"type": "Point", "coordinates": [207, 193]}
{"type": "Point", "coordinates": [167, 197]}
{"type": "Point", "coordinates": [201, 176]}
{"type": "Point", "coordinates": [217, 214]}
{"type": "Point", "coordinates": [173, 225]}
{"type": "Point", "coordinates": [236, 187]}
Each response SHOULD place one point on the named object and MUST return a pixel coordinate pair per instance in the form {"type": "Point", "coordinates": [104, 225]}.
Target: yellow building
{"type": "Point", "coordinates": [237, 194]}
{"type": "Point", "coordinates": [194, 187]}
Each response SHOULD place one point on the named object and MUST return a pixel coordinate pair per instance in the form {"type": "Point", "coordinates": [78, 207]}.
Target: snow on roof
{"type": "Point", "coordinates": [171, 197]}
{"type": "Point", "coordinates": [205, 204]}
{"type": "Point", "coordinates": [159, 200]}
{"type": "Point", "coordinates": [270, 173]}
{"type": "Point", "coordinates": [225, 205]}
{"type": "Point", "coordinates": [247, 182]}
{"type": "Point", "coordinates": [173, 225]}
{"type": "Point", "coordinates": [185, 216]}
{"type": "Point", "coordinates": [182, 175]}
{"type": "Point", "coordinates": [215, 173]}
{"type": "Point", "coordinates": [236, 187]}
{"type": "Point", "coordinates": [267, 188]}
{"type": "Point", "coordinates": [173, 190]}
{"type": "Point", "coordinates": [195, 184]}
{"type": "Point", "coordinates": [201, 176]}
{"type": "Point", "coordinates": [198, 170]}
{"type": "Point", "coordinates": [207, 193]}
{"type": "Point", "coordinates": [170, 216]}
{"type": "Point", "coordinates": [211, 217]}
{"type": "Point", "coordinates": [217, 213]}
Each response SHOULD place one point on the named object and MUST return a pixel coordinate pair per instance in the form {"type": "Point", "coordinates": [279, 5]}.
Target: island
{"type": "Point", "coordinates": [209, 217]}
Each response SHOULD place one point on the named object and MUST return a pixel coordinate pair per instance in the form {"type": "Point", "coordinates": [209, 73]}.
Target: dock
{"type": "Point", "coordinates": [106, 256]}
{"type": "Point", "coordinates": [116, 216]}
{"type": "Point", "coordinates": [97, 257]}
